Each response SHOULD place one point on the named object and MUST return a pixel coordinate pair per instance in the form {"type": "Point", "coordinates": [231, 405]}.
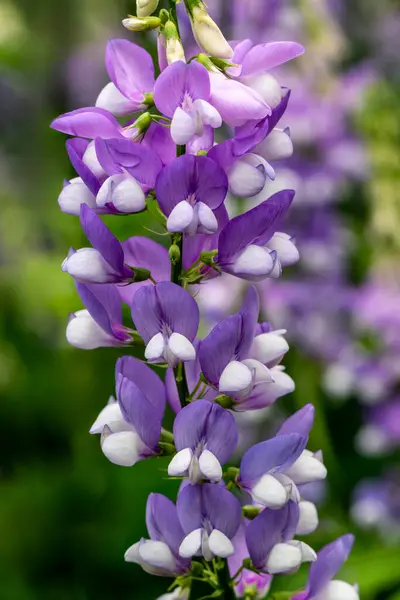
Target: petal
{"type": "Point", "coordinates": [202, 142]}
{"type": "Point", "coordinates": [77, 150]}
{"type": "Point", "coordinates": [103, 303]}
{"type": "Point", "coordinates": [183, 127]}
{"type": "Point", "coordinates": [83, 332]}
{"type": "Point", "coordinates": [139, 412]}
{"type": "Point", "coordinates": [220, 544]}
{"type": "Point", "coordinates": [268, 347]}
{"type": "Point", "coordinates": [264, 57]}
{"type": "Point", "coordinates": [245, 180]}
{"type": "Point", "coordinates": [276, 146]}
{"type": "Point", "coordinates": [130, 68]}
{"type": "Point", "coordinates": [221, 433]}
{"type": "Point", "coordinates": [236, 377]}
{"type": "Point", "coordinates": [191, 544]}
{"type": "Point", "coordinates": [178, 81]}
{"type": "Point", "coordinates": [208, 114]}
{"type": "Point", "coordinates": [276, 453]}
{"type": "Point", "coordinates": [110, 414]}
{"type": "Point", "coordinates": [329, 561]}
{"type": "Point", "coordinates": [180, 463]}
{"type": "Point", "coordinates": [155, 348]}
{"type": "Point", "coordinates": [189, 507]}
{"type": "Point", "coordinates": [264, 532]}
{"type": "Point", "coordinates": [162, 521]}
{"type": "Point", "coordinates": [341, 590]}
{"type": "Point", "coordinates": [255, 263]}
{"type": "Point", "coordinates": [300, 422]}
{"type": "Point", "coordinates": [210, 466]}
{"type": "Point", "coordinates": [181, 217]}
{"type": "Point", "coordinates": [207, 220]}
{"type": "Point", "coordinates": [269, 492]}
{"type": "Point", "coordinates": [88, 122]}
{"type": "Point", "coordinates": [235, 102]}
{"type": "Point", "coordinates": [88, 266]}
{"type": "Point", "coordinates": [308, 519]}
{"type": "Point", "coordinates": [266, 87]}
{"type": "Point", "coordinates": [221, 508]}
{"type": "Point", "coordinates": [157, 554]}
{"type": "Point", "coordinates": [286, 250]}
{"type": "Point", "coordinates": [181, 347]}
{"type": "Point", "coordinates": [283, 558]}
{"type": "Point", "coordinates": [189, 424]}
{"type": "Point", "coordinates": [306, 469]}
{"type": "Point", "coordinates": [74, 195]}
{"type": "Point", "coordinates": [102, 239]}
{"type": "Point", "coordinates": [111, 99]}
{"type": "Point", "coordinates": [123, 448]}
{"type": "Point", "coordinates": [123, 192]}
{"type": "Point", "coordinates": [159, 139]}
{"type": "Point", "coordinates": [208, 35]}
{"type": "Point", "coordinates": [145, 378]}
{"type": "Point", "coordinates": [307, 553]}
{"type": "Point", "coordinates": [254, 227]}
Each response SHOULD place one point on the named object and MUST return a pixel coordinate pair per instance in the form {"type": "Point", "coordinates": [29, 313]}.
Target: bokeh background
{"type": "Point", "coordinates": [66, 514]}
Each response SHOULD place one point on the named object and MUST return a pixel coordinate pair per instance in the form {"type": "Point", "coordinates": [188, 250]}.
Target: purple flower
{"type": "Point", "coordinates": [205, 436]}
{"type": "Point", "coordinates": [89, 122]}
{"type": "Point", "coordinates": [329, 560]}
{"type": "Point", "coordinates": [182, 92]}
{"type": "Point", "coordinates": [247, 581]}
{"type": "Point", "coordinates": [160, 554]}
{"type": "Point", "coordinates": [167, 318]}
{"type": "Point", "coordinates": [263, 466]}
{"type": "Point", "coordinates": [269, 539]}
{"type": "Point", "coordinates": [130, 428]}
{"type": "Point", "coordinates": [188, 190]}
{"type": "Point", "coordinates": [210, 516]}
{"type": "Point", "coordinates": [226, 360]}
{"type": "Point", "coordinates": [100, 323]}
{"type": "Point", "coordinates": [131, 71]}
{"type": "Point", "coordinates": [250, 246]}
{"type": "Point", "coordinates": [104, 263]}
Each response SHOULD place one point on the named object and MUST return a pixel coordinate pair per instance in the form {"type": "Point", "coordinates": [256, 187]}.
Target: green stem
{"type": "Point", "coordinates": [225, 583]}
{"type": "Point", "coordinates": [181, 384]}
{"type": "Point", "coordinates": [173, 15]}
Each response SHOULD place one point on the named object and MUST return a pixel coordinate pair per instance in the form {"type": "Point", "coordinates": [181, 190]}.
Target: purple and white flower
{"type": "Point", "coordinates": [210, 516]}
{"type": "Point", "coordinates": [247, 582]}
{"type": "Point", "coordinates": [205, 437]}
{"type": "Point", "coordinates": [167, 318]}
{"type": "Point", "coordinates": [189, 190]}
{"type": "Point", "coordinates": [130, 428]}
{"type": "Point", "coordinates": [160, 554]}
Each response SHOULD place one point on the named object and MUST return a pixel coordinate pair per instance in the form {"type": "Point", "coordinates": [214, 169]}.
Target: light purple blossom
{"type": "Point", "coordinates": [247, 581]}
{"type": "Point", "coordinates": [160, 554]}
{"type": "Point", "coordinates": [167, 318]}
{"type": "Point", "coordinates": [205, 437]}
{"type": "Point", "coordinates": [210, 516]}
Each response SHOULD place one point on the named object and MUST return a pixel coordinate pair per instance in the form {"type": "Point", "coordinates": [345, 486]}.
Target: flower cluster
{"type": "Point", "coordinates": [231, 527]}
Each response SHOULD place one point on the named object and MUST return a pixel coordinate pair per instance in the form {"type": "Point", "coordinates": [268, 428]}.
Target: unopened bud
{"type": "Point", "coordinates": [163, 15]}
{"type": "Point", "coordinates": [208, 257]}
{"type": "Point", "coordinates": [250, 512]}
{"type": "Point", "coordinates": [141, 24]}
{"type": "Point", "coordinates": [173, 45]}
{"type": "Point", "coordinates": [206, 32]}
{"type": "Point", "coordinates": [174, 253]}
{"type": "Point", "coordinates": [144, 8]}
{"type": "Point", "coordinates": [140, 274]}
{"type": "Point", "coordinates": [142, 123]}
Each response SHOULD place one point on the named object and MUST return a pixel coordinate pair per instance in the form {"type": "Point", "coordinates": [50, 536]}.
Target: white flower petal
{"type": "Point", "coordinates": [255, 263]}
{"type": "Point", "coordinates": [181, 347]}
{"type": "Point", "coordinates": [180, 217]}
{"type": "Point", "coordinates": [75, 194]}
{"type": "Point", "coordinates": [236, 377]}
{"type": "Point", "coordinates": [220, 544]}
{"type": "Point", "coordinates": [277, 145]}
{"type": "Point", "coordinates": [207, 222]}
{"type": "Point", "coordinates": [183, 127]}
{"type": "Point", "coordinates": [283, 558]}
{"type": "Point", "coordinates": [208, 35]}
{"type": "Point", "coordinates": [339, 590]}
{"type": "Point", "coordinates": [87, 265]}
{"type": "Point", "coordinates": [308, 519]}
{"type": "Point", "coordinates": [306, 469]}
{"type": "Point", "coordinates": [208, 114]}
{"type": "Point", "coordinates": [90, 160]}
{"type": "Point", "coordinates": [111, 99]}
{"type": "Point", "coordinates": [157, 554]}
{"type": "Point", "coordinates": [245, 180]}
{"type": "Point", "coordinates": [191, 544]}
{"type": "Point", "coordinates": [307, 553]}
{"type": "Point", "coordinates": [266, 86]}
{"type": "Point", "coordinates": [83, 332]}
{"type": "Point", "coordinates": [155, 348]}
{"type": "Point", "coordinates": [268, 347]}
{"type": "Point", "coordinates": [180, 463]}
{"type": "Point", "coordinates": [284, 247]}
{"type": "Point", "coordinates": [269, 492]}
{"type": "Point", "coordinates": [123, 448]}
{"type": "Point", "coordinates": [210, 466]}
{"type": "Point", "coordinates": [128, 196]}
{"type": "Point", "coordinates": [110, 414]}
{"type": "Point", "coordinates": [132, 554]}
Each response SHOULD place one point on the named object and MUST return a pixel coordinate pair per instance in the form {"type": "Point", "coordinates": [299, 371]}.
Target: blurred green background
{"type": "Point", "coordinates": [66, 514]}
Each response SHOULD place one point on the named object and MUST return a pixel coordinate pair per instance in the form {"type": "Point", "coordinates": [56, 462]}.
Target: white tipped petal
{"type": "Point", "coordinates": [283, 558]}
{"type": "Point", "coordinates": [183, 127]}
{"type": "Point", "coordinates": [207, 222]}
{"type": "Point", "coordinates": [308, 520]}
{"type": "Point", "coordinates": [246, 180]}
{"type": "Point", "coordinates": [181, 217]}
{"type": "Point", "coordinates": [284, 247]}
{"type": "Point", "coordinates": [75, 194]}
{"type": "Point", "coordinates": [210, 466]}
{"type": "Point", "coordinates": [123, 448]}
{"type": "Point", "coordinates": [155, 348]}
{"type": "Point", "coordinates": [277, 145]}
{"type": "Point", "coordinates": [254, 263]}
{"type": "Point", "coordinates": [180, 463]}
{"type": "Point", "coordinates": [266, 86]}
{"type": "Point", "coordinates": [132, 554]}
{"type": "Point", "coordinates": [236, 377]}
{"type": "Point", "coordinates": [306, 469]}
{"type": "Point", "coordinates": [307, 553]}
{"type": "Point", "coordinates": [208, 114]}
{"type": "Point", "coordinates": [83, 332]}
{"type": "Point", "coordinates": [90, 160]}
{"type": "Point", "coordinates": [268, 347]}
{"type": "Point", "coordinates": [111, 99]}
{"type": "Point", "coordinates": [87, 265]}
{"type": "Point", "coordinates": [145, 8]}
{"type": "Point", "coordinates": [177, 594]}
{"type": "Point", "coordinates": [269, 492]}
{"type": "Point", "coordinates": [283, 383]}
{"type": "Point", "coordinates": [339, 590]}
{"type": "Point", "coordinates": [110, 414]}
{"type": "Point", "coordinates": [128, 196]}
{"type": "Point", "coordinates": [208, 35]}
{"type": "Point", "coordinates": [157, 554]}
{"type": "Point", "coordinates": [181, 347]}
{"type": "Point", "coordinates": [220, 544]}
{"type": "Point", "coordinates": [191, 544]}
{"type": "Point", "coordinates": [261, 374]}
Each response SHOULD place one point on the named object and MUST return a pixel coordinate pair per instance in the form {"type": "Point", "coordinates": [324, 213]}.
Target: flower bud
{"type": "Point", "coordinates": [206, 32]}
{"type": "Point", "coordinates": [174, 253]}
{"type": "Point", "coordinates": [173, 45]}
{"type": "Point", "coordinates": [144, 8]}
{"type": "Point", "coordinates": [141, 24]}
